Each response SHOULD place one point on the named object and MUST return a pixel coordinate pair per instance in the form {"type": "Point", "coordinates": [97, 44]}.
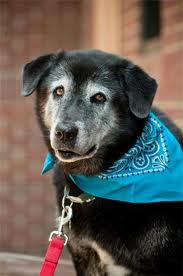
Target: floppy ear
{"type": "Point", "coordinates": [33, 71]}
{"type": "Point", "coordinates": [140, 89]}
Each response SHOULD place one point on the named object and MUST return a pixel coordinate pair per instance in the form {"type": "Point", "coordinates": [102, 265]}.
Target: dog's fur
{"type": "Point", "coordinates": [107, 237]}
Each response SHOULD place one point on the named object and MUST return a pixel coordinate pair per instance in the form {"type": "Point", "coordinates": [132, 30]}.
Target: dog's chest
{"type": "Point", "coordinates": [104, 260]}
{"type": "Point", "coordinates": [84, 246]}
{"type": "Point", "coordinates": [111, 267]}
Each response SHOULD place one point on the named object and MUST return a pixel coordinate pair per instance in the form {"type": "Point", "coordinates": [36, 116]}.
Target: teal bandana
{"type": "Point", "coordinates": [151, 171]}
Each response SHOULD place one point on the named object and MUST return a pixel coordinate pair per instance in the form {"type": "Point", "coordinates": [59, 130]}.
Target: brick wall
{"type": "Point", "coordinates": [27, 204]}
{"type": "Point", "coordinates": [30, 28]}
{"type": "Point", "coordinates": [161, 57]}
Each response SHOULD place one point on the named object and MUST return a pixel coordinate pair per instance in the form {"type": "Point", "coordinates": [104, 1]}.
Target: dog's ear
{"type": "Point", "coordinates": [140, 89]}
{"type": "Point", "coordinates": [33, 71]}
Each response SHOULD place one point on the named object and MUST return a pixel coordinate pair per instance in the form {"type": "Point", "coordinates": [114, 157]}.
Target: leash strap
{"type": "Point", "coordinates": [53, 254]}
{"type": "Point", "coordinates": [57, 238]}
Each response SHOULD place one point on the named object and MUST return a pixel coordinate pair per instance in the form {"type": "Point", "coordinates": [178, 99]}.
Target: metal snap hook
{"type": "Point", "coordinates": [65, 218]}
{"type": "Point", "coordinates": [60, 235]}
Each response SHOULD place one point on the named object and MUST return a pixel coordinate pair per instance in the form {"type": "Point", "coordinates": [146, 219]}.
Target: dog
{"type": "Point", "coordinates": [92, 107]}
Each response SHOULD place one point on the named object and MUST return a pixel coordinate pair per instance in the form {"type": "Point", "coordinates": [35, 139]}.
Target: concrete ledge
{"type": "Point", "coordinates": [12, 264]}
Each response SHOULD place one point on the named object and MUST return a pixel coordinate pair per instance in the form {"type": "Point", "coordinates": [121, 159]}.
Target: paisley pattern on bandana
{"type": "Point", "coordinates": [147, 156]}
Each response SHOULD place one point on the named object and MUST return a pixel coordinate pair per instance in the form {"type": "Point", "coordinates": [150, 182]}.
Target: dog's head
{"type": "Point", "coordinates": [91, 106]}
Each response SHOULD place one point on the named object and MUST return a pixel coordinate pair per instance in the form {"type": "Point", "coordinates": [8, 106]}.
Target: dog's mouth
{"type": "Point", "coordinates": [72, 156]}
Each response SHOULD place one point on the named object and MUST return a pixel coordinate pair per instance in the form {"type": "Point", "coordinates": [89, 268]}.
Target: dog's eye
{"type": "Point", "coordinates": [59, 91]}
{"type": "Point", "coordinates": [98, 98]}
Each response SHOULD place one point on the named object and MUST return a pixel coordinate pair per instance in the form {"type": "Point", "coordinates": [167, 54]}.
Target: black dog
{"type": "Point", "coordinates": [92, 108]}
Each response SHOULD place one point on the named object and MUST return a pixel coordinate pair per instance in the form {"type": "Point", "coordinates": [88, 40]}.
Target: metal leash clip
{"type": "Point", "coordinates": [65, 217]}
{"type": "Point", "coordinates": [66, 214]}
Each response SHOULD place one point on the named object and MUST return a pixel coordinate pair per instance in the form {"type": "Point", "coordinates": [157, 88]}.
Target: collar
{"type": "Point", "coordinates": [151, 171]}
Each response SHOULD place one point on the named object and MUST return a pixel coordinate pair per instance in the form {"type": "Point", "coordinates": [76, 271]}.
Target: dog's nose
{"type": "Point", "coordinates": [66, 134]}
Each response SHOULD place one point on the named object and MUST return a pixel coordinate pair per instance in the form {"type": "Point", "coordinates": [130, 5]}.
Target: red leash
{"type": "Point", "coordinates": [57, 240]}
{"type": "Point", "coordinates": [53, 254]}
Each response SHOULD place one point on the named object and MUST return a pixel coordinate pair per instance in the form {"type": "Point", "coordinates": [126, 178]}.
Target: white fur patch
{"type": "Point", "coordinates": [112, 268]}
{"type": "Point", "coordinates": [51, 106]}
{"type": "Point", "coordinates": [93, 88]}
{"type": "Point", "coordinates": [64, 81]}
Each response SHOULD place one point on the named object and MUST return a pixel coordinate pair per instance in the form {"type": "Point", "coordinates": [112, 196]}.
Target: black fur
{"type": "Point", "coordinates": [147, 239]}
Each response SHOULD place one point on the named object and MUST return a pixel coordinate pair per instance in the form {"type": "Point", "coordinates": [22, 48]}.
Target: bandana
{"type": "Point", "coordinates": [151, 171]}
